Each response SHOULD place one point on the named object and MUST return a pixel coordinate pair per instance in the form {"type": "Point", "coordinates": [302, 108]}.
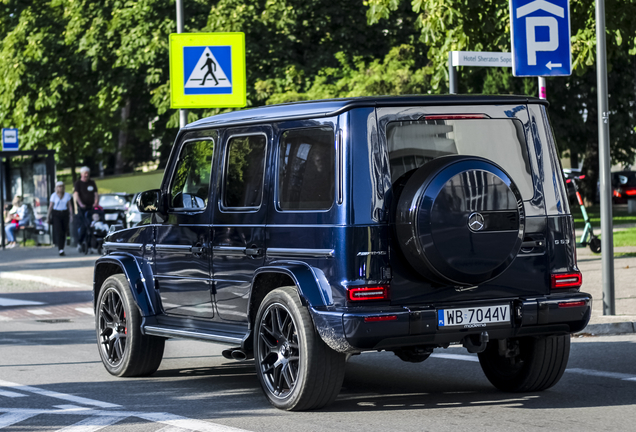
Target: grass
{"type": "Point", "coordinates": [129, 183]}
{"type": "Point", "coordinates": [625, 237]}
{"type": "Point", "coordinates": [619, 215]}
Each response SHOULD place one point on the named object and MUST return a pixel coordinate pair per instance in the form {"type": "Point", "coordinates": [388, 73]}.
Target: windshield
{"type": "Point", "coordinates": [414, 143]}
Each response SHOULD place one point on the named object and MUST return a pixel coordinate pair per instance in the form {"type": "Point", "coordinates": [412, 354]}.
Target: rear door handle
{"type": "Point", "coordinates": [253, 252]}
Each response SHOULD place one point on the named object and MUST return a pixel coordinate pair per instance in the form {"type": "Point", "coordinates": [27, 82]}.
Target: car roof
{"type": "Point", "coordinates": [332, 107]}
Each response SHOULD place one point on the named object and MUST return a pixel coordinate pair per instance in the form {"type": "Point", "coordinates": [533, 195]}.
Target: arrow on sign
{"type": "Point", "coordinates": [550, 65]}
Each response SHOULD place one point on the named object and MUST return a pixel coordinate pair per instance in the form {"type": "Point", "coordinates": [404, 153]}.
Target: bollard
{"type": "Point", "coordinates": [631, 206]}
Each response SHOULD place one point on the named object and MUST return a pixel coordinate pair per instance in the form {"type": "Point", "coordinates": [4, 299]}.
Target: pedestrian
{"type": "Point", "coordinates": [18, 216]}
{"type": "Point", "coordinates": [87, 198]}
{"type": "Point", "coordinates": [59, 214]}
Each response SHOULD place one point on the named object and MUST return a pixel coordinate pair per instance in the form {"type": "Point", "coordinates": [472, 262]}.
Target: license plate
{"type": "Point", "coordinates": [473, 317]}
{"type": "Point", "coordinates": [110, 216]}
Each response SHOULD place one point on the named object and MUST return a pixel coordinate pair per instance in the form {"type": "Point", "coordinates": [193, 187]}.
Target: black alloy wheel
{"type": "Point", "coordinates": [124, 350]}
{"type": "Point", "coordinates": [296, 369]}
{"type": "Point", "coordinates": [112, 327]}
{"type": "Point", "coordinates": [279, 354]}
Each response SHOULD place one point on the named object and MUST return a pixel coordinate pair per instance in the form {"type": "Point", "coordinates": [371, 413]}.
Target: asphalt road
{"type": "Point", "coordinates": [51, 379]}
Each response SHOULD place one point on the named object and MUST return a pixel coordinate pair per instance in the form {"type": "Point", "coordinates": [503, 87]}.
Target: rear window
{"type": "Point", "coordinates": [414, 143]}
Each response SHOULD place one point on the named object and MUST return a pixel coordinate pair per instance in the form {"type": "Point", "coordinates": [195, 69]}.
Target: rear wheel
{"type": "Point", "coordinates": [526, 364]}
{"type": "Point", "coordinates": [122, 347]}
{"type": "Point", "coordinates": [296, 369]}
{"type": "Point", "coordinates": [595, 244]}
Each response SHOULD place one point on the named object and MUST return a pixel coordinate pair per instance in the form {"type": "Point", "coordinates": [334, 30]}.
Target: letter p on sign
{"type": "Point", "coordinates": [531, 36]}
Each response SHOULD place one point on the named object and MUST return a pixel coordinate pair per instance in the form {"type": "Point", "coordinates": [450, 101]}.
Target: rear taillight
{"type": "Point", "coordinates": [380, 318]}
{"type": "Point", "coordinates": [380, 292]}
{"type": "Point", "coordinates": [571, 304]}
{"type": "Point", "coordinates": [567, 280]}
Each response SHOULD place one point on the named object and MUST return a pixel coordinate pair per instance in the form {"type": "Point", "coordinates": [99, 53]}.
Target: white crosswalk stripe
{"type": "Point", "coordinates": [12, 418]}
{"type": "Point", "coordinates": [7, 393]}
{"type": "Point", "coordinates": [87, 311]}
{"type": "Point", "coordinates": [91, 424]}
{"type": "Point", "coordinates": [38, 312]}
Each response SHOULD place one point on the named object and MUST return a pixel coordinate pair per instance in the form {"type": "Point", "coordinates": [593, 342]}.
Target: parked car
{"type": "Point", "coordinates": [623, 186]}
{"type": "Point", "coordinates": [303, 233]}
{"type": "Point", "coordinates": [115, 206]}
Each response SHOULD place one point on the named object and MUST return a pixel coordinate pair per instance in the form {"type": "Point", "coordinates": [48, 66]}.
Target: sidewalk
{"type": "Point", "coordinates": [75, 272]}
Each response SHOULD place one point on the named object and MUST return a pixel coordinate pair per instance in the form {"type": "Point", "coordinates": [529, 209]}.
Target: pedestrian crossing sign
{"type": "Point", "coordinates": [207, 70]}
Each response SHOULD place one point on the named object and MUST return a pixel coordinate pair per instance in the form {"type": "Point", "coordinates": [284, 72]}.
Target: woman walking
{"type": "Point", "coordinates": [59, 214]}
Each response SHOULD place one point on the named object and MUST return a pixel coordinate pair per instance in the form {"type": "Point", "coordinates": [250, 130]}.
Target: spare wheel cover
{"type": "Point", "coordinates": [460, 220]}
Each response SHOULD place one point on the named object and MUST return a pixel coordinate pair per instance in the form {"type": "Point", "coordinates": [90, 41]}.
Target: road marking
{"type": "Point", "coordinates": [590, 372]}
{"type": "Point", "coordinates": [38, 312]}
{"type": "Point", "coordinates": [16, 415]}
{"type": "Point", "coordinates": [12, 418]}
{"type": "Point", "coordinates": [13, 302]}
{"type": "Point", "coordinates": [91, 424]}
{"type": "Point", "coordinates": [11, 394]}
{"type": "Point", "coordinates": [63, 396]}
{"type": "Point", "coordinates": [615, 375]}
{"type": "Point", "coordinates": [87, 311]}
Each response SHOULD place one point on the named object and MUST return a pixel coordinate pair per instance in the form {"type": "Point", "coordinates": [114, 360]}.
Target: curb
{"type": "Point", "coordinates": [615, 328]}
{"type": "Point", "coordinates": [58, 283]}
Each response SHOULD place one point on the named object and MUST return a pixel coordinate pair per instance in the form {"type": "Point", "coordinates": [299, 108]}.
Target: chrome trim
{"type": "Point", "coordinates": [229, 250]}
{"type": "Point", "coordinates": [339, 167]}
{"type": "Point", "coordinates": [186, 334]}
{"type": "Point", "coordinates": [123, 246]}
{"type": "Point", "coordinates": [299, 253]}
{"type": "Point", "coordinates": [172, 248]}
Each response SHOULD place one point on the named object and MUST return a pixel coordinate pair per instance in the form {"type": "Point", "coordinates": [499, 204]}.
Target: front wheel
{"type": "Point", "coordinates": [296, 369]}
{"type": "Point", "coordinates": [124, 350]}
{"type": "Point", "coordinates": [526, 364]}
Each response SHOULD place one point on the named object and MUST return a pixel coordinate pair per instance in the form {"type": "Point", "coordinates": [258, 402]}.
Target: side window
{"type": "Point", "coordinates": [306, 169]}
{"type": "Point", "coordinates": [191, 180]}
{"type": "Point", "coordinates": [244, 169]}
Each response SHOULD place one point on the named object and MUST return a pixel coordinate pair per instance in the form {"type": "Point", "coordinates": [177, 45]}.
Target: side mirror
{"type": "Point", "coordinates": [149, 201]}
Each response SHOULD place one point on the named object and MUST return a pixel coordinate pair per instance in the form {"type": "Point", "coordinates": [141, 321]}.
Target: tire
{"type": "Point", "coordinates": [595, 244]}
{"type": "Point", "coordinates": [296, 369]}
{"type": "Point", "coordinates": [124, 350]}
{"type": "Point", "coordinates": [539, 365]}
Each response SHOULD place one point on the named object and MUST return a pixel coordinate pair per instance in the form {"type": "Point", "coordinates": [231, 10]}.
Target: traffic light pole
{"type": "Point", "coordinates": [607, 238]}
{"type": "Point", "coordinates": [183, 114]}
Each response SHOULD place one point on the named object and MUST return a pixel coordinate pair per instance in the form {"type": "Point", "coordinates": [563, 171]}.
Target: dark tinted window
{"type": "Point", "coordinates": [191, 180]}
{"type": "Point", "coordinates": [306, 169]}
{"type": "Point", "coordinates": [413, 143]}
{"type": "Point", "coordinates": [244, 170]}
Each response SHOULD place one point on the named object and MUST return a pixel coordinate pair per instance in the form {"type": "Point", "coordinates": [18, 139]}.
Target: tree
{"type": "Point", "coordinates": [449, 25]}
{"type": "Point", "coordinates": [46, 90]}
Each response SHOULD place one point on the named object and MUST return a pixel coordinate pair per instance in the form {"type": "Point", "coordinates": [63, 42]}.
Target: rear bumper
{"type": "Point", "coordinates": [349, 332]}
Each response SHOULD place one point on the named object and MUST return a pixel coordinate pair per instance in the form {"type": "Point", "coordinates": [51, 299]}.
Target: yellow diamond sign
{"type": "Point", "coordinates": [207, 70]}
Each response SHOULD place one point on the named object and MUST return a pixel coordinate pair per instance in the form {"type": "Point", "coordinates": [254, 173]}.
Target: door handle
{"type": "Point", "coordinates": [253, 252]}
{"type": "Point", "coordinates": [197, 249]}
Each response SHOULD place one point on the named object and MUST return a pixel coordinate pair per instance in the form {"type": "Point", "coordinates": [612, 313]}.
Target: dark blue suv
{"type": "Point", "coordinates": [301, 234]}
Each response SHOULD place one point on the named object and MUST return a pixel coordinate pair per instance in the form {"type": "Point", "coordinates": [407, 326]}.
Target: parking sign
{"type": "Point", "coordinates": [540, 32]}
{"type": "Point", "coordinates": [10, 139]}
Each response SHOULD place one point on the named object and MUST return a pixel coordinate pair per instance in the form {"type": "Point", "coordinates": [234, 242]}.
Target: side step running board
{"type": "Point", "coordinates": [169, 332]}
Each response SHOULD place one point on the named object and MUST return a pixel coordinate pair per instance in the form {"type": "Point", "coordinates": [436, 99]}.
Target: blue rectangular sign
{"type": "Point", "coordinates": [540, 32]}
{"type": "Point", "coordinates": [10, 139]}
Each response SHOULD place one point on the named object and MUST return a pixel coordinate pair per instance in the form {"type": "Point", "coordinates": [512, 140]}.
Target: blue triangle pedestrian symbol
{"type": "Point", "coordinates": [207, 70]}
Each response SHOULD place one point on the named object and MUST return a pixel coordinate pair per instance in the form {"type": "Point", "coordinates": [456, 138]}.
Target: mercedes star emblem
{"type": "Point", "coordinates": [476, 222]}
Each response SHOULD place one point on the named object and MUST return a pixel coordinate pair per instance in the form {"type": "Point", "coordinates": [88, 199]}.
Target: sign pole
{"type": "Point", "coordinates": [543, 94]}
{"type": "Point", "coordinates": [452, 75]}
{"type": "Point", "coordinates": [183, 113]}
{"type": "Point", "coordinates": [607, 239]}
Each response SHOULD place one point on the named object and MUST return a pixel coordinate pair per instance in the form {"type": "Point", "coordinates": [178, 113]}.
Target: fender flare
{"type": "Point", "coordinates": [312, 284]}
{"type": "Point", "coordinates": [139, 275]}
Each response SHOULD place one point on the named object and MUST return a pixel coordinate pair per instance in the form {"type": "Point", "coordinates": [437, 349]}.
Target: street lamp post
{"type": "Point", "coordinates": [183, 113]}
